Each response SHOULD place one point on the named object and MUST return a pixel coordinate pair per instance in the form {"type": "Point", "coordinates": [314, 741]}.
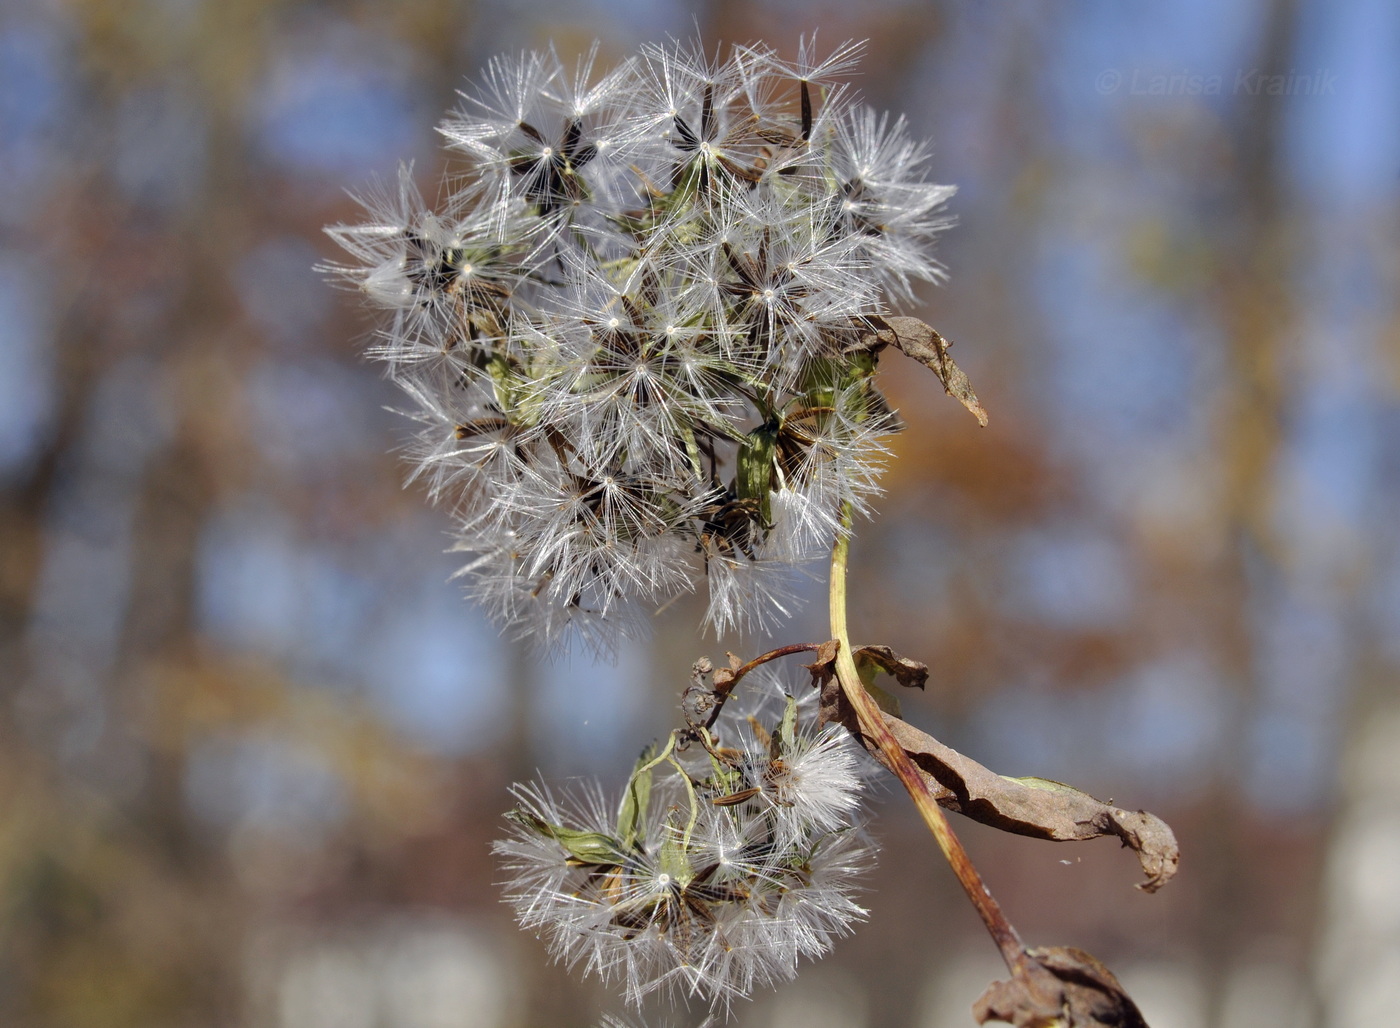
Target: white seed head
{"type": "Point", "coordinates": [628, 332]}
{"type": "Point", "coordinates": [743, 858]}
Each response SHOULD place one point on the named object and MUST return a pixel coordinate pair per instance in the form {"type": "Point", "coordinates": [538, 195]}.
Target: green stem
{"type": "Point", "coordinates": [872, 725]}
{"type": "Point", "coordinates": [694, 803]}
{"type": "Point", "coordinates": [668, 755]}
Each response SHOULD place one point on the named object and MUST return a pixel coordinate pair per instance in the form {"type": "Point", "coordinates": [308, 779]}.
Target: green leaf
{"type": "Point", "coordinates": [672, 859]}
{"type": "Point", "coordinates": [753, 479]}
{"type": "Point", "coordinates": [786, 739]}
{"type": "Point", "coordinates": [585, 847]}
{"type": "Point", "coordinates": [512, 390]}
{"type": "Point", "coordinates": [692, 449]}
{"type": "Point", "coordinates": [631, 816]}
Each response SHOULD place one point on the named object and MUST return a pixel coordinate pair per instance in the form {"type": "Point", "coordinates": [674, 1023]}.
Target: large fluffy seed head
{"type": "Point", "coordinates": [630, 334]}
{"type": "Point", "coordinates": [716, 872]}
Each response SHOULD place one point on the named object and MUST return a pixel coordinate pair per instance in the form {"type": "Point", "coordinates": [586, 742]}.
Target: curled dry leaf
{"type": "Point", "coordinates": [1035, 807]}
{"type": "Point", "coordinates": [921, 341]}
{"type": "Point", "coordinates": [1059, 987]}
{"type": "Point", "coordinates": [912, 674]}
{"type": "Point", "coordinates": [871, 660]}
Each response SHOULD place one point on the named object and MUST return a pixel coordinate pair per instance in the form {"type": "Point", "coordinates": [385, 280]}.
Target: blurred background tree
{"type": "Point", "coordinates": [254, 746]}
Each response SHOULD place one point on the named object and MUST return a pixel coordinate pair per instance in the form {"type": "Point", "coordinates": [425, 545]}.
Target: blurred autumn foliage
{"type": "Point", "coordinates": [253, 746]}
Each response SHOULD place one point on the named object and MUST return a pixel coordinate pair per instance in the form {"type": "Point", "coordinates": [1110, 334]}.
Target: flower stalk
{"type": "Point", "coordinates": [872, 723]}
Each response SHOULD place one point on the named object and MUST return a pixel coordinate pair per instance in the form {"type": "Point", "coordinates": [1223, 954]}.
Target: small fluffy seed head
{"type": "Point", "coordinates": [706, 884]}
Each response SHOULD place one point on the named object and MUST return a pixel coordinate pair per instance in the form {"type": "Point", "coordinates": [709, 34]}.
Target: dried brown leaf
{"type": "Point", "coordinates": [823, 667]}
{"type": "Point", "coordinates": [1059, 987]}
{"type": "Point", "coordinates": [921, 341]}
{"type": "Point", "coordinates": [1034, 807]}
{"type": "Point", "coordinates": [911, 674]}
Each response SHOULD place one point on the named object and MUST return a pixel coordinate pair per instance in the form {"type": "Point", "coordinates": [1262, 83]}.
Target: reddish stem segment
{"type": "Point", "coordinates": [724, 687]}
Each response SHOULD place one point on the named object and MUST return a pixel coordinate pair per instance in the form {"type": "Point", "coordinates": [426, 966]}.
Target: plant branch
{"type": "Point", "coordinates": [723, 682]}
